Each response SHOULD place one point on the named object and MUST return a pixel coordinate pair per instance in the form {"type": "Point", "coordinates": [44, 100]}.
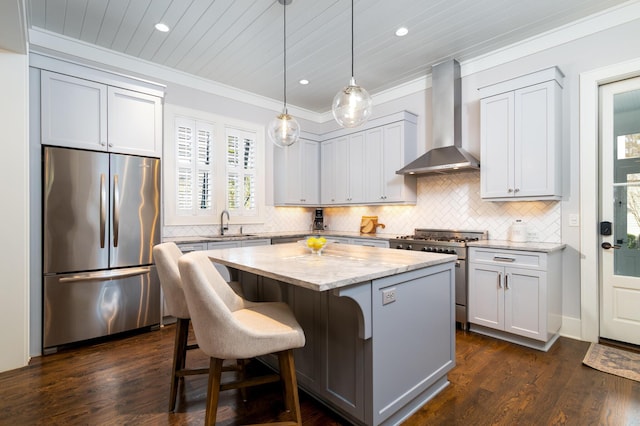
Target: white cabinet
{"type": "Point", "coordinates": [360, 167]}
{"type": "Point", "coordinates": [387, 150]}
{"type": "Point", "coordinates": [521, 132]}
{"type": "Point", "coordinates": [516, 292]}
{"type": "Point", "coordinates": [80, 113]}
{"type": "Point", "coordinates": [343, 170]}
{"type": "Point", "coordinates": [297, 174]}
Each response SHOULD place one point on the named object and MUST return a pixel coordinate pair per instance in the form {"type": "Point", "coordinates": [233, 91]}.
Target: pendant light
{"type": "Point", "coordinates": [352, 105]}
{"type": "Point", "coordinates": [284, 129]}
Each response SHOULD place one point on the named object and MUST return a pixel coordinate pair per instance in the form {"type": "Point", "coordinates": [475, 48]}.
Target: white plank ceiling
{"type": "Point", "coordinates": [240, 42]}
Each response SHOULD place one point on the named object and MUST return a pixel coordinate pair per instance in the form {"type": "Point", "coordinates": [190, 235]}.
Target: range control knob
{"type": "Point", "coordinates": [409, 247]}
{"type": "Point", "coordinates": [399, 246]}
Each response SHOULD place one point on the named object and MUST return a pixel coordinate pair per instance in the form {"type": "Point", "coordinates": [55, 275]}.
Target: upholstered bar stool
{"type": "Point", "coordinates": [166, 257]}
{"type": "Point", "coordinates": [230, 327]}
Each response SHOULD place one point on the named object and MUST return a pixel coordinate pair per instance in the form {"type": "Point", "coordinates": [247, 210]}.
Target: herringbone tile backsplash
{"type": "Point", "coordinates": [449, 201]}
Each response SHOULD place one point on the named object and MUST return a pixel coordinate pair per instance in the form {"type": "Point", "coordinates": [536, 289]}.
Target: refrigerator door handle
{"type": "Point", "coordinates": [116, 210]}
{"type": "Point", "coordinates": [103, 210]}
{"type": "Point", "coordinates": [106, 275]}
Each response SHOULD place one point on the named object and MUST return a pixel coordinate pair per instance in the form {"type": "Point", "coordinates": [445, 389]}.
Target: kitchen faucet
{"type": "Point", "coordinates": [222, 227]}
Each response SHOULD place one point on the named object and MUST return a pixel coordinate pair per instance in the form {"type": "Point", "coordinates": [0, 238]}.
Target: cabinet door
{"type": "Point", "coordinates": [356, 168]}
{"type": "Point", "coordinates": [393, 149]}
{"type": "Point", "coordinates": [309, 166]}
{"type": "Point", "coordinates": [296, 174]}
{"type": "Point", "coordinates": [342, 165]}
{"type": "Point", "coordinates": [374, 166]}
{"type": "Point", "coordinates": [135, 123]}
{"type": "Point", "coordinates": [535, 140]}
{"type": "Point", "coordinates": [524, 306]}
{"type": "Point", "coordinates": [497, 139]}
{"type": "Point", "coordinates": [74, 112]}
{"type": "Point", "coordinates": [328, 172]}
{"type": "Point", "coordinates": [486, 295]}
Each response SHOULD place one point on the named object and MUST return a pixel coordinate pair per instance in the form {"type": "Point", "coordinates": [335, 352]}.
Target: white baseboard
{"type": "Point", "coordinates": [571, 328]}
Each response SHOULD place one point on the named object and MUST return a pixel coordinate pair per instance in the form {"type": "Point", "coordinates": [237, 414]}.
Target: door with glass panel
{"type": "Point", "coordinates": [620, 206]}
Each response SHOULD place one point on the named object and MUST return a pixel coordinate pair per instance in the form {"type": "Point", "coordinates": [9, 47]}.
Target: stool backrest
{"type": "Point", "coordinates": [166, 257]}
{"type": "Point", "coordinates": [212, 303]}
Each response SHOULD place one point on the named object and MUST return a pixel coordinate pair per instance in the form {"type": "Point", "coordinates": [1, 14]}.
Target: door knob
{"type": "Point", "coordinates": [607, 246]}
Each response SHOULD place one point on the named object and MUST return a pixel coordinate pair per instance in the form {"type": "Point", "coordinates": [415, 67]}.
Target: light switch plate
{"type": "Point", "coordinates": [574, 219]}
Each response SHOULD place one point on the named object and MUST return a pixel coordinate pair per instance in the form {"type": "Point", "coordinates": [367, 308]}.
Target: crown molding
{"type": "Point", "coordinates": [43, 41]}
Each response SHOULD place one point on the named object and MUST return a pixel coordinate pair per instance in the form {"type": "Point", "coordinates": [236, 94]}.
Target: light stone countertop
{"type": "Point", "coordinates": [275, 235]}
{"type": "Point", "coordinates": [510, 245]}
{"type": "Point", "coordinates": [339, 265]}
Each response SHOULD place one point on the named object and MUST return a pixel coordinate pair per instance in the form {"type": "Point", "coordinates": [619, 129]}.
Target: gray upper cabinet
{"type": "Point", "coordinates": [360, 167]}
{"type": "Point", "coordinates": [521, 130]}
{"type": "Point", "coordinates": [81, 113]}
{"type": "Point", "coordinates": [297, 174]}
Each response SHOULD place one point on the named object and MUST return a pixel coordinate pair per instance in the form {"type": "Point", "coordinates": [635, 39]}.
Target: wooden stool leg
{"type": "Point", "coordinates": [179, 357]}
{"type": "Point", "coordinates": [288, 376]}
{"type": "Point", "coordinates": [213, 391]}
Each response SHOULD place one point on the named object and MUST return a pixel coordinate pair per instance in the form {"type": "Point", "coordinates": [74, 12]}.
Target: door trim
{"type": "Point", "coordinates": [589, 196]}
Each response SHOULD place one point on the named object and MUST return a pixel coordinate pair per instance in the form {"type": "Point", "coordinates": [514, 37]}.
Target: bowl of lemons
{"type": "Point", "coordinates": [315, 244]}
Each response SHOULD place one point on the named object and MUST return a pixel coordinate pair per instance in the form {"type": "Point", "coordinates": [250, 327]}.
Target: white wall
{"type": "Point", "coordinates": [14, 193]}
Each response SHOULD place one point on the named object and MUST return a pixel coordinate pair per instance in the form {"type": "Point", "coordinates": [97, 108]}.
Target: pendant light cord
{"type": "Point", "coordinates": [352, 73]}
{"type": "Point", "coordinates": [285, 57]}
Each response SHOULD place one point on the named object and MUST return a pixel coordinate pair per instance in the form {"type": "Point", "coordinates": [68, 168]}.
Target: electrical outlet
{"type": "Point", "coordinates": [388, 295]}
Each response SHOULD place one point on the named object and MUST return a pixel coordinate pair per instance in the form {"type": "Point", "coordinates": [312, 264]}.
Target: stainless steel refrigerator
{"type": "Point", "coordinates": [101, 219]}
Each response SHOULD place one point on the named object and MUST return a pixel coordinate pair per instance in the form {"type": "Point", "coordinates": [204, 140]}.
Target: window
{"type": "Point", "coordinates": [212, 163]}
{"type": "Point", "coordinates": [241, 172]}
{"type": "Point", "coordinates": [195, 162]}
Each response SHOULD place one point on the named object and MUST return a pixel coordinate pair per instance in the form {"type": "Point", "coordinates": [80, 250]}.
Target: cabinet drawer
{"type": "Point", "coordinates": [508, 257]}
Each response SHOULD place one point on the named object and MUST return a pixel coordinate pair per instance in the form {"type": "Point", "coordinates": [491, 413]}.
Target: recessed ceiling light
{"type": "Point", "coordinates": [304, 82]}
{"type": "Point", "coordinates": [402, 31]}
{"type": "Point", "coordinates": [162, 27]}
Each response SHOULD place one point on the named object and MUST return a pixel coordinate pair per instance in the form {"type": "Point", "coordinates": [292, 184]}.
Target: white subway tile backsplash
{"type": "Point", "coordinates": [450, 201]}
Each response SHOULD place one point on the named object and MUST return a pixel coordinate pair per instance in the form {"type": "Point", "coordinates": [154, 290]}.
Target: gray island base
{"type": "Point", "coordinates": [379, 323]}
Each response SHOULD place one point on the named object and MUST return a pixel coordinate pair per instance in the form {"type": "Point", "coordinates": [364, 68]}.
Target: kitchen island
{"type": "Point", "coordinates": [379, 323]}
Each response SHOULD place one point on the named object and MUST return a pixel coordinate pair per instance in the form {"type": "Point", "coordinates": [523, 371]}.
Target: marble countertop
{"type": "Point", "coordinates": [339, 265]}
{"type": "Point", "coordinates": [511, 245]}
{"type": "Point", "coordinates": [274, 235]}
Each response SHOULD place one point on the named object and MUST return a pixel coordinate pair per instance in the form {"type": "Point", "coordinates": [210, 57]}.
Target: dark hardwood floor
{"type": "Point", "coordinates": [126, 381]}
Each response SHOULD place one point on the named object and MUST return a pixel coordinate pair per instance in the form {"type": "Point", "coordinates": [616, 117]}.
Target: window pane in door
{"type": "Point", "coordinates": [626, 187]}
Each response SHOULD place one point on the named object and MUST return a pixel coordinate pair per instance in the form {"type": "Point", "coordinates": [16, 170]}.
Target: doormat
{"type": "Point", "coordinates": [613, 361]}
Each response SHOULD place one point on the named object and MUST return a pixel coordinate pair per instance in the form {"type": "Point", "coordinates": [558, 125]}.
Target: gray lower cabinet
{"type": "Point", "coordinates": [516, 295]}
{"type": "Point", "coordinates": [372, 362]}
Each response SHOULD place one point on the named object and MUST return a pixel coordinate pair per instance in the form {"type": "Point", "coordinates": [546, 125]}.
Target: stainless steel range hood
{"type": "Point", "coordinates": [447, 156]}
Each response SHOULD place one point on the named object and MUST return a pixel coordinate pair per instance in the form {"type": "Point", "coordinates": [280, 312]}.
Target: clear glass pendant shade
{"type": "Point", "coordinates": [284, 130]}
{"type": "Point", "coordinates": [352, 105]}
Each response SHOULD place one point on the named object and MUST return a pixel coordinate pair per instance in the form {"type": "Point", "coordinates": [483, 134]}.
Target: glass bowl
{"type": "Point", "coordinates": [315, 244]}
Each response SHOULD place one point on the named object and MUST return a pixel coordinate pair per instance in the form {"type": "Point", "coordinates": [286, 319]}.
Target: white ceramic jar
{"type": "Point", "coordinates": [518, 232]}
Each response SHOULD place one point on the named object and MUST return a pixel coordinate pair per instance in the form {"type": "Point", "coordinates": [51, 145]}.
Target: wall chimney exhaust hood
{"type": "Point", "coordinates": [447, 156]}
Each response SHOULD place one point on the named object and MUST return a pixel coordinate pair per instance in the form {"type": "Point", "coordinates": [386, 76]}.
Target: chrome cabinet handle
{"type": "Point", "coordinates": [506, 281]}
{"type": "Point", "coordinates": [503, 259]}
{"type": "Point", "coordinates": [499, 279]}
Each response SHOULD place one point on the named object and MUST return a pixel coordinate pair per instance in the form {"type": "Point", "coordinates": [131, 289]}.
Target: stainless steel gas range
{"type": "Point", "coordinates": [446, 241]}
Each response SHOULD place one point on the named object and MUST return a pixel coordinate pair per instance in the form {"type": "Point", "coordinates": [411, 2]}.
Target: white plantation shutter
{"type": "Point", "coordinates": [195, 162]}
{"type": "Point", "coordinates": [241, 172]}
